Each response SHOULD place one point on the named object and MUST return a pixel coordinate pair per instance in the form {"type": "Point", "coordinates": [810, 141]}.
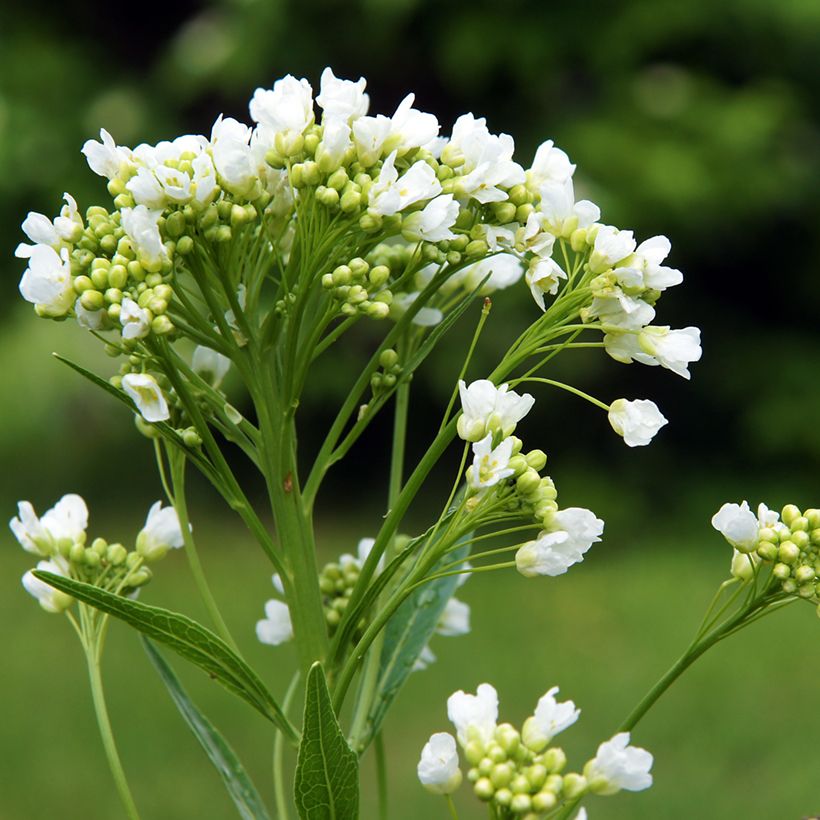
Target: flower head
{"type": "Point", "coordinates": [618, 765]}
{"type": "Point", "coordinates": [63, 525]}
{"type": "Point", "coordinates": [549, 719]}
{"type": "Point", "coordinates": [49, 598]}
{"type": "Point", "coordinates": [277, 626]}
{"type": "Point", "coordinates": [487, 408]}
{"type": "Point", "coordinates": [160, 533]}
{"type": "Point", "coordinates": [637, 421]}
{"type": "Point", "coordinates": [474, 716]}
{"type": "Point", "coordinates": [47, 281]}
{"type": "Point", "coordinates": [438, 768]}
{"type": "Point", "coordinates": [738, 525]}
{"type": "Point", "coordinates": [146, 394]}
{"type": "Point", "coordinates": [490, 465]}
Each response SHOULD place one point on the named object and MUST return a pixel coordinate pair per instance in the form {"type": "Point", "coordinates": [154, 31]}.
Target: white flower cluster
{"type": "Point", "coordinates": [59, 537]}
{"type": "Point", "coordinates": [522, 773]}
{"type": "Point", "coordinates": [788, 543]}
{"type": "Point", "coordinates": [336, 582]}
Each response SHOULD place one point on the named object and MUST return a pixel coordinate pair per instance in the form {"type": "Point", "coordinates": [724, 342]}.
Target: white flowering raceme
{"type": "Point", "coordinates": [59, 528]}
{"type": "Point", "coordinates": [617, 765]}
{"type": "Point", "coordinates": [135, 321]}
{"type": "Point", "coordinates": [438, 768]}
{"type": "Point", "coordinates": [636, 421]}
{"type": "Point", "coordinates": [160, 533]}
{"type": "Point", "coordinates": [474, 716]}
{"type": "Point", "coordinates": [276, 627]}
{"type": "Point", "coordinates": [212, 366]}
{"type": "Point", "coordinates": [487, 408]}
{"type": "Point", "coordinates": [572, 532]}
{"type": "Point", "coordinates": [47, 282]}
{"type": "Point", "coordinates": [549, 719]}
{"type": "Point", "coordinates": [143, 390]}
{"type": "Point", "coordinates": [738, 525]}
{"type": "Point", "coordinates": [50, 599]}
{"type": "Point", "coordinates": [490, 465]}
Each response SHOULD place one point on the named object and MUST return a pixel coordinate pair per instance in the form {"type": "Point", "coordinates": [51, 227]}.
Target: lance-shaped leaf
{"type": "Point", "coordinates": [237, 782]}
{"type": "Point", "coordinates": [187, 638]}
{"type": "Point", "coordinates": [327, 770]}
{"type": "Point", "coordinates": [406, 635]}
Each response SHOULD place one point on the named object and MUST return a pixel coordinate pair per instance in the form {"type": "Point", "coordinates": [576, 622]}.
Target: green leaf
{"type": "Point", "coordinates": [327, 770]}
{"type": "Point", "coordinates": [237, 782]}
{"type": "Point", "coordinates": [187, 638]}
{"type": "Point", "coordinates": [406, 635]}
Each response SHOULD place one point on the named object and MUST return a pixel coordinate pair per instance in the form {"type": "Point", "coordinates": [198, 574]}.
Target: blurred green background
{"type": "Point", "coordinates": [684, 119]}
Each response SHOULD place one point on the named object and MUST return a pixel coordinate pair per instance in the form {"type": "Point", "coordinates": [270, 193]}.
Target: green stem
{"type": "Point", "coordinates": [381, 776]}
{"type": "Point", "coordinates": [106, 734]}
{"type": "Point", "coordinates": [452, 807]}
{"type": "Point", "coordinates": [568, 387]}
{"type": "Point", "coordinates": [279, 791]}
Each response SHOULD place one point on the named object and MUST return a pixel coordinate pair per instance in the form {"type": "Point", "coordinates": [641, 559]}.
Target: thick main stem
{"type": "Point", "coordinates": [101, 711]}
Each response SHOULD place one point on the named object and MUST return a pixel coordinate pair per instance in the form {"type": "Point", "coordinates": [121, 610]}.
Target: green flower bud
{"type": "Point", "coordinates": [190, 438]}
{"type": "Point", "coordinates": [781, 571]}
{"type": "Point", "coordinates": [789, 513]}
{"type": "Point", "coordinates": [351, 200]}
{"type": "Point", "coordinates": [536, 775]}
{"type": "Point", "coordinates": [496, 753]}
{"type": "Point", "coordinates": [501, 775]}
{"type": "Point", "coordinates": [338, 179]}
{"type": "Point", "coordinates": [162, 326]}
{"type": "Point", "coordinates": [478, 247]}
{"type": "Point", "coordinates": [801, 523]}
{"type": "Point", "coordinates": [113, 296]}
{"type": "Point", "coordinates": [329, 197]}
{"type": "Point", "coordinates": [76, 553]}
{"type": "Point", "coordinates": [520, 784]}
{"type": "Point", "coordinates": [528, 483]}
{"type": "Point", "coordinates": [92, 300]}
{"type": "Point", "coordinates": [483, 789]}
{"type": "Point", "coordinates": [507, 737]}
{"type": "Point", "coordinates": [788, 552]}
{"type": "Point", "coordinates": [804, 574]}
{"type": "Point", "coordinates": [814, 535]}
{"type": "Point", "coordinates": [504, 212]}
{"type": "Point", "coordinates": [91, 558]}
{"type": "Point", "coordinates": [806, 591]}
{"type": "Point", "coordinates": [544, 801]}
{"type": "Point", "coordinates": [378, 275]}
{"type": "Point", "coordinates": [376, 310]}
{"type": "Point", "coordinates": [574, 785]}
{"type": "Point", "coordinates": [537, 459]}
{"type": "Point", "coordinates": [790, 586]}
{"type": "Point", "coordinates": [82, 284]}
{"type": "Point", "coordinates": [99, 276]}
{"type": "Point", "coordinates": [520, 803]}
{"type": "Point", "coordinates": [767, 550]}
{"type": "Point", "coordinates": [116, 554]}
{"type": "Point", "coordinates": [100, 546]}
{"type": "Point", "coordinates": [522, 212]}
{"type": "Point", "coordinates": [140, 577]}
{"type": "Point", "coordinates": [813, 517]}
{"type": "Point", "coordinates": [800, 538]}
{"type": "Point", "coordinates": [175, 224]}
{"type": "Point", "coordinates": [485, 765]}
{"type": "Point", "coordinates": [136, 271]}
{"type": "Point", "coordinates": [578, 239]}
{"type": "Point", "coordinates": [472, 775]}
{"type": "Point", "coordinates": [503, 797]}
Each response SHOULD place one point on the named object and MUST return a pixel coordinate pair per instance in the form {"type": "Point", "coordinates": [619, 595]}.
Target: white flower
{"type": "Point", "coordinates": [135, 321]}
{"type": "Point", "coordinates": [106, 158]}
{"type": "Point", "coordinates": [561, 214]}
{"type": "Point", "coordinates": [343, 100]}
{"type": "Point", "coordinates": [50, 599]}
{"type": "Point", "coordinates": [543, 277]}
{"type": "Point", "coordinates": [438, 768]}
{"type": "Point", "coordinates": [335, 142]}
{"type": "Point", "coordinates": [424, 317]}
{"type": "Point", "coordinates": [551, 165]}
{"type": "Point", "coordinates": [611, 246]}
{"type": "Point", "coordinates": [233, 157]}
{"type": "Point", "coordinates": [454, 620]}
{"type": "Point", "coordinates": [618, 310]}
{"type": "Point", "coordinates": [286, 110]}
{"type": "Point", "coordinates": [648, 257]}
{"type": "Point", "coordinates": [212, 366]}
{"type": "Point", "coordinates": [146, 395]}
{"type": "Point", "coordinates": [47, 281]}
{"type": "Point", "coordinates": [572, 532]}
{"type": "Point", "coordinates": [142, 227]}
{"type": "Point", "coordinates": [369, 135]}
{"type": "Point", "coordinates": [549, 719]}
{"type": "Point", "coordinates": [147, 189]}
{"type": "Point", "coordinates": [433, 222]}
{"type": "Point", "coordinates": [490, 465]}
{"type": "Point", "coordinates": [160, 533]}
{"type": "Point", "coordinates": [89, 319]}
{"type": "Point", "coordinates": [474, 716]}
{"type": "Point", "coordinates": [738, 525]}
{"type": "Point", "coordinates": [486, 407]}
{"type": "Point", "coordinates": [277, 626]}
{"type": "Point", "coordinates": [204, 178]}
{"type": "Point", "coordinates": [63, 525]}
{"type": "Point", "coordinates": [410, 128]}
{"type": "Point", "coordinates": [619, 766]}
{"type": "Point", "coordinates": [500, 271]}
{"type": "Point", "coordinates": [672, 349]}
{"type": "Point", "coordinates": [637, 421]}
{"type": "Point", "coordinates": [390, 194]}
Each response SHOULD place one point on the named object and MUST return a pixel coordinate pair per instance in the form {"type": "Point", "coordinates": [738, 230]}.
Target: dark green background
{"type": "Point", "coordinates": [688, 119]}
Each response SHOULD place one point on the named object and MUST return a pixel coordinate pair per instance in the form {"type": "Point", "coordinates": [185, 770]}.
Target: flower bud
{"type": "Point", "coordinates": [503, 797]}
{"type": "Point", "coordinates": [528, 483]}
{"type": "Point", "coordinates": [554, 759]}
{"type": "Point", "coordinates": [767, 550]}
{"type": "Point", "coordinates": [521, 803]}
{"type": "Point", "coordinates": [544, 801]}
{"type": "Point", "coordinates": [574, 785]}
{"type": "Point", "coordinates": [789, 513]}
{"type": "Point", "coordinates": [537, 459]}
{"type": "Point", "coordinates": [788, 552]}
{"type": "Point", "coordinates": [483, 789]}
{"type": "Point", "coordinates": [501, 775]}
{"type": "Point", "coordinates": [781, 571]}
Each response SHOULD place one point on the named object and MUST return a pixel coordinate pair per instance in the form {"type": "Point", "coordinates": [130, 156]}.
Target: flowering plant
{"type": "Point", "coordinates": [257, 250]}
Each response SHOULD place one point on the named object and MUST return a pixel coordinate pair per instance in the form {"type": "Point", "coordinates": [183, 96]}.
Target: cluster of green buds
{"type": "Point", "coordinates": [388, 374]}
{"type": "Point", "coordinates": [59, 537]}
{"type": "Point", "coordinates": [521, 774]}
{"type": "Point", "coordinates": [336, 582]}
{"type": "Point", "coordinates": [359, 288]}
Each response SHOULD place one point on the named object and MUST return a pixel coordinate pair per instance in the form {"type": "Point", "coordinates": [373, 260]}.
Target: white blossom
{"type": "Point", "coordinates": [647, 259]}
{"type": "Point", "coordinates": [89, 319]}
{"type": "Point", "coordinates": [474, 716]}
{"type": "Point", "coordinates": [672, 349]}
{"type": "Point", "coordinates": [610, 247]}
{"type": "Point", "coordinates": [146, 394]}
{"type": "Point", "coordinates": [277, 626]}
{"type": "Point", "coordinates": [543, 277]}
{"type": "Point", "coordinates": [561, 214]}
{"type": "Point", "coordinates": [369, 136]}
{"type": "Point", "coordinates": [738, 525]}
{"type": "Point", "coordinates": [618, 310]}
{"type": "Point", "coordinates": [410, 128]}
{"type": "Point", "coordinates": [618, 765]}
{"type": "Point", "coordinates": [549, 719]}
{"type": "Point", "coordinates": [438, 768]}
{"type": "Point", "coordinates": [47, 281]}
{"type": "Point", "coordinates": [500, 271]}
{"type": "Point", "coordinates": [490, 465]}
{"type": "Point", "coordinates": [550, 165]}
{"type": "Point", "coordinates": [569, 537]}
{"type": "Point", "coordinates": [142, 227]}
{"type": "Point", "coordinates": [135, 321]}
{"type": "Point", "coordinates": [287, 109]}
{"type": "Point", "coordinates": [161, 532]}
{"type": "Point", "coordinates": [61, 526]}
{"type": "Point", "coordinates": [637, 421]}
{"type": "Point", "coordinates": [433, 222]}
{"type": "Point", "coordinates": [391, 193]}
{"type": "Point", "coordinates": [49, 598]}
{"type": "Point", "coordinates": [454, 620]}
{"type": "Point", "coordinates": [233, 156]}
{"type": "Point", "coordinates": [106, 158]}
{"type": "Point", "coordinates": [147, 189]}
{"type": "Point", "coordinates": [486, 407]}
{"type": "Point", "coordinates": [336, 140]}
{"type": "Point", "coordinates": [212, 366]}
{"type": "Point", "coordinates": [343, 100]}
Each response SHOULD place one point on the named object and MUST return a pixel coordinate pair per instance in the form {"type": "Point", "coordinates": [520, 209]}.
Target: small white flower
{"type": "Point", "coordinates": [672, 349]}
{"type": "Point", "coordinates": [738, 525]}
{"type": "Point", "coordinates": [619, 766]}
{"type": "Point", "coordinates": [67, 227]}
{"type": "Point", "coordinates": [391, 194]}
{"type": "Point", "coordinates": [474, 716]}
{"type": "Point", "coordinates": [50, 599]}
{"type": "Point", "coordinates": [433, 222]}
{"type": "Point", "coordinates": [610, 247]}
{"type": "Point", "coordinates": [343, 100]}
{"type": "Point", "coordinates": [47, 282]}
{"type": "Point", "coordinates": [146, 394]}
{"type": "Point", "coordinates": [212, 366]}
{"type": "Point", "coordinates": [89, 319]}
{"type": "Point", "coordinates": [549, 719]}
{"type": "Point", "coordinates": [160, 533]}
{"type": "Point", "coordinates": [369, 136]}
{"type": "Point", "coordinates": [571, 534]}
{"type": "Point", "coordinates": [648, 257]}
{"type": "Point", "coordinates": [637, 421]}
{"type": "Point", "coordinates": [142, 227]}
{"type": "Point", "coordinates": [438, 768]}
{"type": "Point", "coordinates": [454, 620]}
{"type": "Point", "coordinates": [335, 142]}
{"type": "Point", "coordinates": [287, 110]}
{"type": "Point", "coordinates": [543, 277]}
{"type": "Point", "coordinates": [135, 321]}
{"type": "Point", "coordinates": [496, 272]}
{"type": "Point", "coordinates": [486, 407]}
{"type": "Point", "coordinates": [410, 128]}
{"type": "Point", "coordinates": [106, 158]}
{"type": "Point", "coordinates": [561, 214]}
{"type": "Point", "coordinates": [233, 156]}
{"type": "Point", "coordinates": [490, 465]}
{"type": "Point", "coordinates": [618, 310]}
{"type": "Point", "coordinates": [63, 525]}
{"type": "Point", "coordinates": [147, 189]}
{"type": "Point", "coordinates": [277, 626]}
